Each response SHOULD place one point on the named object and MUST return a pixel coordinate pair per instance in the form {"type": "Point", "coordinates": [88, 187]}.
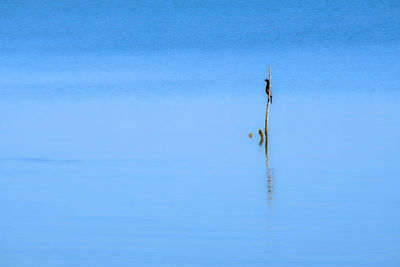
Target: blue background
{"type": "Point", "coordinates": [124, 133]}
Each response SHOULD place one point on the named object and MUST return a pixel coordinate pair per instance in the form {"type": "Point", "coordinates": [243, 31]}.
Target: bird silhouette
{"type": "Point", "coordinates": [268, 90]}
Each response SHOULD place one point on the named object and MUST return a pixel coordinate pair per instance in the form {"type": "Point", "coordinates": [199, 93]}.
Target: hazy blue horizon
{"type": "Point", "coordinates": [84, 26]}
{"type": "Point", "coordinates": [92, 48]}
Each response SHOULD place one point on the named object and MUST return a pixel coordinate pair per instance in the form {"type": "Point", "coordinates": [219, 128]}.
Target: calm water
{"type": "Point", "coordinates": [125, 151]}
{"type": "Point", "coordinates": [106, 175]}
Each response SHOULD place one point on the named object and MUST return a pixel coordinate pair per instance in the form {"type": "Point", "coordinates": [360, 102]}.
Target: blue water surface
{"type": "Point", "coordinates": [124, 133]}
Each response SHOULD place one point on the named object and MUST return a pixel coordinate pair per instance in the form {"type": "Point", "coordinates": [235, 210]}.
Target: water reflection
{"type": "Point", "coordinates": [270, 176]}
{"type": "Point", "coordinates": [270, 180]}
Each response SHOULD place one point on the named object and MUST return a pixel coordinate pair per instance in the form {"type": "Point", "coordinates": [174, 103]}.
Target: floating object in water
{"type": "Point", "coordinates": [251, 135]}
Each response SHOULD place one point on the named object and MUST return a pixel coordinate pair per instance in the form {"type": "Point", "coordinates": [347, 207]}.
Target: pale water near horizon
{"type": "Point", "coordinates": [112, 177]}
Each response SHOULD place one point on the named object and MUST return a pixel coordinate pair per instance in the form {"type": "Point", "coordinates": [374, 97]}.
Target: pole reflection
{"type": "Point", "coordinates": [270, 180]}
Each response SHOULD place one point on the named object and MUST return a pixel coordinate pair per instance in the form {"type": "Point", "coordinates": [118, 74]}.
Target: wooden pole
{"type": "Point", "coordinates": [266, 119]}
{"type": "Point", "coordinates": [266, 149]}
{"type": "Point", "coordinates": [270, 77]}
{"type": "Point", "coordinates": [266, 116]}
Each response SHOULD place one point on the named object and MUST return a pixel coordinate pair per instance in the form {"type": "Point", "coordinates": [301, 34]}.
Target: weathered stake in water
{"type": "Point", "coordinates": [262, 136]}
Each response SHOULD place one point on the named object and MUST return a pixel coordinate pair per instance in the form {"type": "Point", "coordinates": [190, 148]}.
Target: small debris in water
{"type": "Point", "coordinates": [251, 135]}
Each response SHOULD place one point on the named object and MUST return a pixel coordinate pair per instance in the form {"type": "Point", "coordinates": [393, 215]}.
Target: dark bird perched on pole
{"type": "Point", "coordinates": [268, 90]}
